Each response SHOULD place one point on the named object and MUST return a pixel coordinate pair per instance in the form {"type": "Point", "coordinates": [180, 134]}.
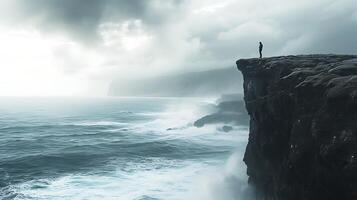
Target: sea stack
{"type": "Point", "coordinates": [303, 126]}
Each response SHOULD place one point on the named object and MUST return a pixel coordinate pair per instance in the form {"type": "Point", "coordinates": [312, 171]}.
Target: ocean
{"type": "Point", "coordinates": [117, 148]}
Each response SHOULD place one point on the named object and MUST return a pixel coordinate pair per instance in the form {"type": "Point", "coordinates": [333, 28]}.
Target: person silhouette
{"type": "Point", "coordinates": [260, 49]}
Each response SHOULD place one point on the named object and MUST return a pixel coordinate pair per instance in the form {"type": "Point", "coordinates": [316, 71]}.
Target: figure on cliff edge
{"type": "Point", "coordinates": [260, 49]}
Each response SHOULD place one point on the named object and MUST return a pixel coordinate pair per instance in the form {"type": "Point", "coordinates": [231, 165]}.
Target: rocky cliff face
{"type": "Point", "coordinates": [303, 126]}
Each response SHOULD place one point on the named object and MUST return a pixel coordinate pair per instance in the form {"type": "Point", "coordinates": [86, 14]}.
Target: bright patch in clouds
{"type": "Point", "coordinates": [212, 8]}
{"type": "Point", "coordinates": [128, 35]}
{"type": "Point", "coordinates": [29, 66]}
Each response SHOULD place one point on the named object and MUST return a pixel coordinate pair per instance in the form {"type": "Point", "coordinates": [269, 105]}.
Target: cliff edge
{"type": "Point", "coordinates": [303, 126]}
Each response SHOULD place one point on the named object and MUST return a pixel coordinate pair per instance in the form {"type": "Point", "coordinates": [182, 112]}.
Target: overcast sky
{"type": "Point", "coordinates": [77, 47]}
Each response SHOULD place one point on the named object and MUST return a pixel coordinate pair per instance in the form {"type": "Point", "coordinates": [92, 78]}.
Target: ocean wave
{"type": "Point", "coordinates": [77, 157]}
{"type": "Point", "coordinates": [150, 180]}
{"type": "Point", "coordinates": [30, 128]}
{"type": "Point", "coordinates": [98, 123]}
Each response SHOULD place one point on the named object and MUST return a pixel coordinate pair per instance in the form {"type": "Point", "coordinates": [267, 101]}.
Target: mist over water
{"type": "Point", "coordinates": [117, 148]}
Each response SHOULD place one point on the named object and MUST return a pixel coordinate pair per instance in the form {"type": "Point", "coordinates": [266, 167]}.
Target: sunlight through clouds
{"type": "Point", "coordinates": [30, 67]}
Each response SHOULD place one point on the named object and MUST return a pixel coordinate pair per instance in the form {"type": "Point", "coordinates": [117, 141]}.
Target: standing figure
{"type": "Point", "coordinates": [260, 49]}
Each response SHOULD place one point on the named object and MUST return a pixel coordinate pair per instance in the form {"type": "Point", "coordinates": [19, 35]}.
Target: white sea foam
{"type": "Point", "coordinates": [155, 178]}
{"type": "Point", "coordinates": [169, 183]}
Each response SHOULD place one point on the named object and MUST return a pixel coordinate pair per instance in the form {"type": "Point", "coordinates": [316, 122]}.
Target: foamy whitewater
{"type": "Point", "coordinates": [117, 148]}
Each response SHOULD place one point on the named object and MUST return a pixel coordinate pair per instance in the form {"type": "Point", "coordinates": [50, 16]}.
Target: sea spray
{"type": "Point", "coordinates": [228, 182]}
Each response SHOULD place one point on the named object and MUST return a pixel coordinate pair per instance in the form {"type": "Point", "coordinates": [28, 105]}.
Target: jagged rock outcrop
{"type": "Point", "coordinates": [303, 126]}
{"type": "Point", "coordinates": [227, 112]}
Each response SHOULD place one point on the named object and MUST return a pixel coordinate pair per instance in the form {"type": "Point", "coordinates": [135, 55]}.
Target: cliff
{"type": "Point", "coordinates": [303, 126]}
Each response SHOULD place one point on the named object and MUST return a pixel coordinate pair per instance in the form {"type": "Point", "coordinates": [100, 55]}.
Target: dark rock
{"type": "Point", "coordinates": [303, 126]}
{"type": "Point", "coordinates": [227, 129]}
{"type": "Point", "coordinates": [226, 112]}
{"type": "Point", "coordinates": [218, 118]}
{"type": "Point", "coordinates": [175, 128]}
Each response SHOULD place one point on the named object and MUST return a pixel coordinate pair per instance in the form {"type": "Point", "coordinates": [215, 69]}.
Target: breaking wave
{"type": "Point", "coordinates": [142, 151]}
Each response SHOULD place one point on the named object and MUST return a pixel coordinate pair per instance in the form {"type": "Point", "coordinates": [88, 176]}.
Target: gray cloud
{"type": "Point", "coordinates": [81, 18]}
{"type": "Point", "coordinates": [321, 26]}
{"type": "Point", "coordinates": [230, 30]}
{"type": "Point", "coordinates": [120, 38]}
